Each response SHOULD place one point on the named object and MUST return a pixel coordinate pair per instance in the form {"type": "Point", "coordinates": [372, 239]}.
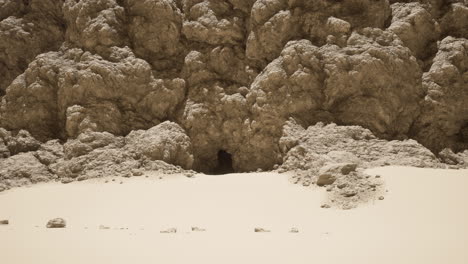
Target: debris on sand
{"type": "Point", "coordinates": [197, 229]}
{"type": "Point", "coordinates": [294, 230]}
{"type": "Point", "coordinates": [57, 223]}
{"type": "Point", "coordinates": [261, 230]}
{"type": "Point", "coordinates": [103, 227]}
{"type": "Point", "coordinates": [4, 222]}
{"type": "Point", "coordinates": [169, 231]}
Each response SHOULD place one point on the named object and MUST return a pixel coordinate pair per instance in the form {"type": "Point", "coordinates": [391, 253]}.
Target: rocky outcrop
{"type": "Point", "coordinates": [65, 93]}
{"type": "Point", "coordinates": [444, 119]}
{"type": "Point", "coordinates": [166, 141]}
{"type": "Point", "coordinates": [119, 85]}
{"type": "Point", "coordinates": [274, 23]}
{"type": "Point", "coordinates": [21, 169]}
{"type": "Point", "coordinates": [314, 147]}
{"type": "Point", "coordinates": [353, 85]}
{"type": "Point", "coordinates": [415, 26]}
{"type": "Point", "coordinates": [27, 29]}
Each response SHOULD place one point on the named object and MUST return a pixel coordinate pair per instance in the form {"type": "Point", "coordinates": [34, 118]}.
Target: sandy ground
{"type": "Point", "coordinates": [423, 219]}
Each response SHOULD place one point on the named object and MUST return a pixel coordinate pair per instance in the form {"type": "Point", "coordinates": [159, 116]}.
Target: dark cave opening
{"type": "Point", "coordinates": [224, 164]}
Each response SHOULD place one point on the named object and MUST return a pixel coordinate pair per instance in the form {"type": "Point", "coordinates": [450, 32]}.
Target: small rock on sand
{"type": "Point", "coordinates": [294, 230]}
{"type": "Point", "coordinates": [381, 198]}
{"type": "Point", "coordinates": [137, 172]}
{"type": "Point", "coordinates": [66, 180]}
{"type": "Point", "coordinates": [103, 227]}
{"type": "Point", "coordinates": [325, 206]}
{"type": "Point", "coordinates": [325, 179]}
{"type": "Point", "coordinates": [56, 223]}
{"type": "Point", "coordinates": [169, 231]}
{"type": "Point", "coordinates": [197, 229]}
{"type": "Point", "coordinates": [261, 230]}
{"type": "Point", "coordinates": [4, 222]}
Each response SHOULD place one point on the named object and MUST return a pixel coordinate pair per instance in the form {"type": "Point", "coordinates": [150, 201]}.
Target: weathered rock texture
{"type": "Point", "coordinates": [90, 88]}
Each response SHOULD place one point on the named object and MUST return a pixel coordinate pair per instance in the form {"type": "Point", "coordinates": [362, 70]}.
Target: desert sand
{"type": "Point", "coordinates": [423, 219]}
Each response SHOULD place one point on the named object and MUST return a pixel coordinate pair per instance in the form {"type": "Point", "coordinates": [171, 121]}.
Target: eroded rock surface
{"type": "Point", "coordinates": [90, 88]}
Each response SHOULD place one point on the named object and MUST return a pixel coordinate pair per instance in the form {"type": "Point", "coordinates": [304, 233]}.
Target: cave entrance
{"type": "Point", "coordinates": [224, 164]}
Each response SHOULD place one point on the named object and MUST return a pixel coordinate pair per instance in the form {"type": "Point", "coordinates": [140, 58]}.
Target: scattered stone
{"type": "Point", "coordinates": [81, 178]}
{"type": "Point", "coordinates": [377, 176]}
{"type": "Point", "coordinates": [349, 193]}
{"type": "Point", "coordinates": [381, 198]}
{"type": "Point", "coordinates": [330, 188]}
{"type": "Point", "coordinates": [261, 230]}
{"type": "Point", "coordinates": [197, 229]}
{"type": "Point", "coordinates": [121, 182]}
{"type": "Point", "coordinates": [66, 180]}
{"type": "Point", "coordinates": [325, 206]}
{"type": "Point", "coordinates": [326, 179]}
{"type": "Point", "coordinates": [56, 223]}
{"type": "Point", "coordinates": [294, 230]}
{"type": "Point", "coordinates": [4, 222]}
{"type": "Point", "coordinates": [342, 185]}
{"type": "Point", "coordinates": [103, 227]}
{"type": "Point", "coordinates": [169, 231]}
{"type": "Point", "coordinates": [137, 172]}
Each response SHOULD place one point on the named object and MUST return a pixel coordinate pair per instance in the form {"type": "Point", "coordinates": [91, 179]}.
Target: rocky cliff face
{"type": "Point", "coordinates": [204, 76]}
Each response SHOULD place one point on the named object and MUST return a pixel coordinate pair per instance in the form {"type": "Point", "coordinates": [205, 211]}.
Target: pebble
{"type": "Point", "coordinates": [342, 185]}
{"type": "Point", "coordinates": [66, 180]}
{"type": "Point", "coordinates": [197, 229]}
{"type": "Point", "coordinates": [169, 231]}
{"type": "Point", "coordinates": [261, 230]}
{"type": "Point", "coordinates": [294, 230]}
{"type": "Point", "coordinates": [381, 198]}
{"type": "Point", "coordinates": [325, 206]}
{"type": "Point", "coordinates": [56, 223]}
{"type": "Point", "coordinates": [81, 178]}
{"type": "Point", "coordinates": [4, 222]}
{"type": "Point", "coordinates": [137, 172]}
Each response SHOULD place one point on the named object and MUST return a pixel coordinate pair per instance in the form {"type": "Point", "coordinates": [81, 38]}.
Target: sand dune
{"type": "Point", "coordinates": [423, 219]}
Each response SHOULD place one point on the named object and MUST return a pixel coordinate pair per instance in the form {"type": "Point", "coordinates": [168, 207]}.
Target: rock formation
{"type": "Point", "coordinates": [89, 88]}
